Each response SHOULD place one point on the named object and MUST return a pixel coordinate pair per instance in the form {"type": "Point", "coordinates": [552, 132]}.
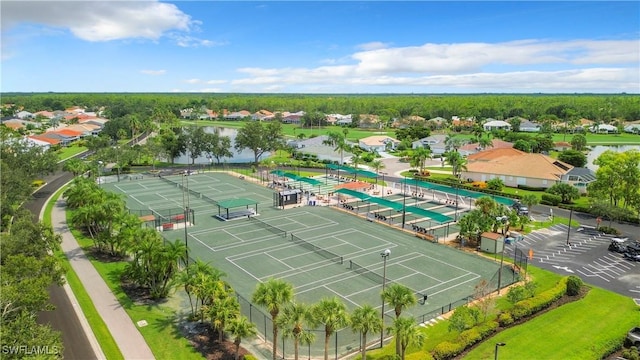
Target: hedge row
{"type": "Point", "coordinates": [532, 305]}
{"type": "Point", "coordinates": [449, 349]}
{"type": "Point", "coordinates": [466, 339]}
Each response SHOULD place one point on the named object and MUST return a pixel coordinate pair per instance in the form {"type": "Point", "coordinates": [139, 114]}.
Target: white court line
{"type": "Point", "coordinates": [134, 198]}
{"type": "Point", "coordinates": [278, 260]}
{"type": "Point", "coordinates": [456, 285]}
{"type": "Point", "coordinates": [342, 296]}
{"type": "Point", "coordinates": [243, 269]}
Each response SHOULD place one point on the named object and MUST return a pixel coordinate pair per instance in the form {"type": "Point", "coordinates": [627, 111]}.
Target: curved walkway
{"type": "Point", "coordinates": [124, 332]}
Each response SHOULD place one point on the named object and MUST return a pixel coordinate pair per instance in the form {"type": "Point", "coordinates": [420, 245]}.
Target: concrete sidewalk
{"type": "Point", "coordinates": [124, 331]}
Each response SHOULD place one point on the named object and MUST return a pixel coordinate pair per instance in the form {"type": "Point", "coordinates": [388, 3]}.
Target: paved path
{"type": "Point", "coordinates": [124, 331]}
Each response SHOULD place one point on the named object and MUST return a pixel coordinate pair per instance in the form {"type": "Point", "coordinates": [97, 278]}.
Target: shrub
{"type": "Point", "coordinates": [516, 294]}
{"type": "Point", "coordinates": [447, 350]}
{"type": "Point", "coordinates": [505, 319]}
{"type": "Point", "coordinates": [550, 199]}
{"type": "Point", "coordinates": [574, 284]}
{"type": "Point", "coordinates": [495, 184]}
{"type": "Point", "coordinates": [609, 230]}
{"type": "Point", "coordinates": [250, 357]}
{"type": "Point", "coordinates": [532, 305]}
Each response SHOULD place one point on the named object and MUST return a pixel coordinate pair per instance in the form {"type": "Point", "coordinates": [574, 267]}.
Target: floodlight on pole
{"type": "Point", "coordinates": [385, 254]}
{"type": "Point", "coordinates": [496, 351]}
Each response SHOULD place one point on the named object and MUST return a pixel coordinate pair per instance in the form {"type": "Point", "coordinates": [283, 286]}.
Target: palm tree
{"type": "Point", "coordinates": [241, 328]}
{"type": "Point", "coordinates": [485, 142]}
{"type": "Point", "coordinates": [399, 297]}
{"type": "Point", "coordinates": [457, 162]}
{"type": "Point", "coordinates": [419, 158]}
{"type": "Point", "coordinates": [406, 333]}
{"type": "Point", "coordinates": [377, 165]}
{"type": "Point", "coordinates": [365, 319]}
{"type": "Point", "coordinates": [292, 320]}
{"type": "Point", "coordinates": [223, 310]}
{"type": "Point", "coordinates": [273, 294]}
{"type": "Point", "coordinates": [331, 313]}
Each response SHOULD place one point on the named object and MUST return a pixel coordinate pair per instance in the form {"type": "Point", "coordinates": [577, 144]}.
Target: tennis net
{"type": "Point", "coordinates": [318, 250]}
{"type": "Point", "coordinates": [269, 227]}
{"type": "Point", "coordinates": [377, 278]}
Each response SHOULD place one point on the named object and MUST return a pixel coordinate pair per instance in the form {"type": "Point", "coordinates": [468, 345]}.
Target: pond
{"type": "Point", "coordinates": [599, 149]}
{"type": "Point", "coordinates": [244, 156]}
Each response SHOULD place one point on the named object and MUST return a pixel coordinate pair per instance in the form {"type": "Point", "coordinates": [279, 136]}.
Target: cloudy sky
{"type": "Point", "coordinates": [320, 47]}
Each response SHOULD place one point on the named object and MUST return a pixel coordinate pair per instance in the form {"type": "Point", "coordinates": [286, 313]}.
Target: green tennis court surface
{"type": "Point", "coordinates": [317, 253]}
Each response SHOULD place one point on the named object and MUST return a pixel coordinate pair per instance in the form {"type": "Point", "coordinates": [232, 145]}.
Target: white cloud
{"type": "Point", "coordinates": [213, 82]}
{"type": "Point", "coordinates": [193, 81]}
{"type": "Point", "coordinates": [191, 41]}
{"type": "Point", "coordinates": [153, 72]}
{"type": "Point", "coordinates": [100, 20]}
{"type": "Point", "coordinates": [375, 45]}
{"type": "Point", "coordinates": [526, 65]}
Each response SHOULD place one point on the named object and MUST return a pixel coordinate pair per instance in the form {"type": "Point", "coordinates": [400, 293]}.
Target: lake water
{"type": "Point", "coordinates": [244, 156]}
{"type": "Point", "coordinates": [599, 149]}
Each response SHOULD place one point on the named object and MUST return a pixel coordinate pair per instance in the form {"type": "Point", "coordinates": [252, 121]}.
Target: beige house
{"type": "Point", "coordinates": [515, 167]}
{"type": "Point", "coordinates": [378, 143]}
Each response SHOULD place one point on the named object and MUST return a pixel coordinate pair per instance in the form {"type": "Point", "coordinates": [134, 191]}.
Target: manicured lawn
{"type": "Point", "coordinates": [99, 328]}
{"type": "Point", "coordinates": [67, 152]}
{"type": "Point", "coordinates": [602, 139]}
{"type": "Point", "coordinates": [579, 330]}
{"type": "Point", "coordinates": [161, 334]}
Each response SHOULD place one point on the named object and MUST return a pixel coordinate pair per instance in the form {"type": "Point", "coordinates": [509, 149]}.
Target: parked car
{"type": "Point", "coordinates": [617, 247]}
{"type": "Point", "coordinates": [633, 248]}
{"type": "Point", "coordinates": [632, 256]}
{"type": "Point", "coordinates": [521, 209]}
{"type": "Point", "coordinates": [633, 336]}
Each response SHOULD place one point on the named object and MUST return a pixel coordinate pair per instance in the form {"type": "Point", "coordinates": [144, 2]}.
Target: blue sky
{"type": "Point", "coordinates": [320, 47]}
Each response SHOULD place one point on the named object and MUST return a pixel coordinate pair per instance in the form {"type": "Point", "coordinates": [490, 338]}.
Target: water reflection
{"type": "Point", "coordinates": [244, 156]}
{"type": "Point", "coordinates": [599, 149]}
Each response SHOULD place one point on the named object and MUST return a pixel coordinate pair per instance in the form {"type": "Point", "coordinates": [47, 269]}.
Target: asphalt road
{"type": "Point", "coordinates": [63, 318]}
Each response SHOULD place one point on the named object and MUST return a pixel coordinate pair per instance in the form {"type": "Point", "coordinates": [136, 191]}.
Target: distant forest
{"type": "Point", "coordinates": [604, 108]}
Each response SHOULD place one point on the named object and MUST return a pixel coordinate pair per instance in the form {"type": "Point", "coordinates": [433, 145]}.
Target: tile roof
{"type": "Point", "coordinates": [513, 162]}
{"type": "Point", "coordinates": [45, 139]}
{"type": "Point", "coordinates": [68, 132]}
{"type": "Point", "coordinates": [376, 140]}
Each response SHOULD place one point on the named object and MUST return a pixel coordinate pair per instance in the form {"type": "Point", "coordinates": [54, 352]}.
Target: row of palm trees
{"type": "Point", "coordinates": [295, 319]}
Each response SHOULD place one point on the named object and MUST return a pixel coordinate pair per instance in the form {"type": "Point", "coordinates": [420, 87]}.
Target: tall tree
{"type": "Point", "coordinates": [419, 158]}
{"type": "Point", "coordinates": [399, 297]}
{"type": "Point", "coordinates": [365, 320]}
{"type": "Point", "coordinates": [273, 295]}
{"type": "Point", "coordinates": [407, 333]}
{"type": "Point", "coordinates": [458, 162]}
{"type": "Point", "coordinates": [259, 138]}
{"type": "Point", "coordinates": [332, 314]}
{"type": "Point", "coordinates": [241, 328]}
{"type": "Point", "coordinates": [292, 321]}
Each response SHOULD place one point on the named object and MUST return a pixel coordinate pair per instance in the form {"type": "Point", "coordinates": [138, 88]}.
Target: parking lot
{"type": "Point", "coordinates": [586, 255]}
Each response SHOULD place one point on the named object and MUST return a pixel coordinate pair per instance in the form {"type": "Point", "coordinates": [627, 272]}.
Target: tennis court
{"type": "Point", "coordinates": [321, 250]}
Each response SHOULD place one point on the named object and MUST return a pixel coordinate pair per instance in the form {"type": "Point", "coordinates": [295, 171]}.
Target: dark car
{"type": "Point", "coordinates": [521, 209]}
{"type": "Point", "coordinates": [633, 248]}
{"type": "Point", "coordinates": [632, 256]}
{"type": "Point", "coordinates": [617, 247]}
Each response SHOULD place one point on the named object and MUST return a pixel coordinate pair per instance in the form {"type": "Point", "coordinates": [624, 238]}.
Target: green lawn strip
{"type": "Point", "coordinates": [99, 328]}
{"type": "Point", "coordinates": [578, 330]}
{"type": "Point", "coordinates": [162, 334]}
{"type": "Point", "coordinates": [69, 151]}
{"type": "Point", "coordinates": [439, 332]}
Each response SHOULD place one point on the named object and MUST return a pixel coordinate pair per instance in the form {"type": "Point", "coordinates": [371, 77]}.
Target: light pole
{"type": "Point", "coordinates": [496, 352]}
{"type": "Point", "coordinates": [385, 254]}
{"type": "Point", "coordinates": [404, 201]}
{"type": "Point", "coordinates": [569, 226]}
{"type": "Point", "coordinates": [186, 217]}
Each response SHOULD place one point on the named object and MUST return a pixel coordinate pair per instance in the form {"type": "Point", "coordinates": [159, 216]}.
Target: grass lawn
{"type": "Point", "coordinates": [99, 328]}
{"type": "Point", "coordinates": [602, 139]}
{"type": "Point", "coordinates": [67, 152]}
{"type": "Point", "coordinates": [161, 334]}
{"type": "Point", "coordinates": [579, 330]}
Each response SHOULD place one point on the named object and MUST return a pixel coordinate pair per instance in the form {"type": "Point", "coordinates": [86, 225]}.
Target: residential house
{"type": "Point", "coordinates": [85, 129]}
{"type": "Point", "coordinates": [292, 118]}
{"type": "Point", "coordinates": [378, 143]}
{"type": "Point", "coordinates": [25, 115]}
{"type": "Point", "coordinates": [263, 115]}
{"type": "Point", "coordinates": [603, 129]}
{"type": "Point", "coordinates": [435, 142]}
{"type": "Point", "coordinates": [472, 148]}
{"type": "Point", "coordinates": [316, 146]}
{"type": "Point", "coordinates": [42, 140]}
{"type": "Point", "coordinates": [529, 126]}
{"type": "Point", "coordinates": [458, 124]}
{"type": "Point", "coordinates": [437, 123]}
{"type": "Point", "coordinates": [370, 121]}
{"type": "Point", "coordinates": [339, 119]}
{"type": "Point", "coordinates": [561, 146]}
{"type": "Point", "coordinates": [580, 178]}
{"type": "Point", "coordinates": [65, 136]}
{"type": "Point", "coordinates": [238, 115]}
{"type": "Point", "coordinates": [515, 167]}
{"type": "Point", "coordinates": [14, 124]}
{"type": "Point", "coordinates": [44, 113]}
{"type": "Point", "coordinates": [493, 124]}
{"type": "Point", "coordinates": [632, 129]}
{"type": "Point", "coordinates": [94, 121]}
{"type": "Point", "coordinates": [408, 121]}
